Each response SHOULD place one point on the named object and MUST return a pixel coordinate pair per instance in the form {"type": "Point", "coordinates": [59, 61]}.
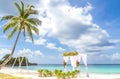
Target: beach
{"type": "Point", "coordinates": [29, 74]}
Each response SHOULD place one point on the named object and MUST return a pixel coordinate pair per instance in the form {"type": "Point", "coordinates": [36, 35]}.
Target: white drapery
{"type": "Point", "coordinates": [84, 58]}
{"type": "Point", "coordinates": [66, 58]}
{"type": "Point", "coordinates": [73, 60]}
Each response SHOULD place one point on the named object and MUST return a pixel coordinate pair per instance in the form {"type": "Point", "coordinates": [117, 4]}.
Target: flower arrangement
{"type": "Point", "coordinates": [64, 64]}
{"type": "Point", "coordinates": [77, 63]}
{"type": "Point", "coordinates": [70, 53]}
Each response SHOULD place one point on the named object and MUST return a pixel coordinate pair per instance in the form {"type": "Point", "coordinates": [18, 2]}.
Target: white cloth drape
{"type": "Point", "coordinates": [73, 60]}
{"type": "Point", "coordinates": [79, 57]}
{"type": "Point", "coordinates": [66, 58]}
{"type": "Point", "coordinates": [84, 58]}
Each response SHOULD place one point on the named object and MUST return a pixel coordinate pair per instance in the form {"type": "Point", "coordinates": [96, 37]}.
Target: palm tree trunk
{"type": "Point", "coordinates": [10, 56]}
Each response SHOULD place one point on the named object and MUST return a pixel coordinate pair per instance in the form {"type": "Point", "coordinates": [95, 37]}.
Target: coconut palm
{"type": "Point", "coordinates": [22, 23]}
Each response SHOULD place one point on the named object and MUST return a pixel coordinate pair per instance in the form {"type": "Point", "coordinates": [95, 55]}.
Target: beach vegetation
{"type": "Point", "coordinates": [45, 73]}
{"type": "Point", "coordinates": [59, 74]}
{"type": "Point", "coordinates": [23, 23]}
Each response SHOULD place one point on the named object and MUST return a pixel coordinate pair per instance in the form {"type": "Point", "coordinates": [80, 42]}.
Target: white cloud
{"type": "Point", "coordinates": [4, 51]}
{"type": "Point", "coordinates": [50, 59]}
{"type": "Point", "coordinates": [73, 26]}
{"type": "Point", "coordinates": [39, 41]}
{"type": "Point", "coordinates": [37, 56]}
{"type": "Point", "coordinates": [28, 51]}
{"type": "Point", "coordinates": [115, 40]}
{"type": "Point", "coordinates": [42, 41]}
{"type": "Point", "coordinates": [101, 58]}
{"type": "Point", "coordinates": [53, 46]}
{"type": "Point", "coordinates": [115, 56]}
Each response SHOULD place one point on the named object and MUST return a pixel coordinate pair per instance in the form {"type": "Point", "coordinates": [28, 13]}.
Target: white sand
{"type": "Point", "coordinates": [27, 74]}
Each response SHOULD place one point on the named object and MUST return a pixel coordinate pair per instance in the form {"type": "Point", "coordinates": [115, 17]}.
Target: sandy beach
{"type": "Point", "coordinates": [28, 74]}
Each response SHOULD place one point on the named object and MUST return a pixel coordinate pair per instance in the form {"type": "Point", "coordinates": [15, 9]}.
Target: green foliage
{"type": "Point", "coordinates": [70, 53]}
{"type": "Point", "coordinates": [23, 21]}
{"type": "Point", "coordinates": [1, 61]}
{"type": "Point", "coordinates": [45, 73]}
{"type": "Point", "coordinates": [58, 73]}
{"type": "Point", "coordinates": [67, 75]}
{"type": "Point", "coordinates": [5, 57]}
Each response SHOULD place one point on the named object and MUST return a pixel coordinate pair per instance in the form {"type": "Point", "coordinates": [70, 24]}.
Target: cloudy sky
{"type": "Point", "coordinates": [88, 26]}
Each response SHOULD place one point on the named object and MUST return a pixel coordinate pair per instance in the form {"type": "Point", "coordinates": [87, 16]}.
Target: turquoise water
{"type": "Point", "coordinates": [99, 69]}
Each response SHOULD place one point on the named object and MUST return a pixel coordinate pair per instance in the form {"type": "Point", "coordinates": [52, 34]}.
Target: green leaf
{"type": "Point", "coordinates": [29, 32]}
{"type": "Point", "coordinates": [35, 29]}
{"type": "Point", "coordinates": [30, 11]}
{"type": "Point", "coordinates": [33, 12]}
{"type": "Point", "coordinates": [6, 17]}
{"type": "Point", "coordinates": [18, 7]}
{"type": "Point", "coordinates": [12, 32]}
{"type": "Point", "coordinates": [15, 19]}
{"type": "Point", "coordinates": [8, 26]}
{"type": "Point", "coordinates": [34, 21]}
{"type": "Point", "coordinates": [22, 13]}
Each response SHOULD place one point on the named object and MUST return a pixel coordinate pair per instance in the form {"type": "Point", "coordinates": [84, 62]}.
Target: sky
{"type": "Point", "coordinates": [88, 26]}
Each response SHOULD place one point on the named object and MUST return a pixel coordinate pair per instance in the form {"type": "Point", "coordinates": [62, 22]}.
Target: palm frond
{"type": "Point", "coordinates": [15, 18]}
{"type": "Point", "coordinates": [30, 6]}
{"type": "Point", "coordinates": [9, 25]}
{"type": "Point", "coordinates": [29, 10]}
{"type": "Point", "coordinates": [18, 7]}
{"type": "Point", "coordinates": [35, 29]}
{"type": "Point", "coordinates": [29, 32]}
{"type": "Point", "coordinates": [33, 12]}
{"type": "Point", "coordinates": [7, 17]}
{"type": "Point", "coordinates": [22, 13]}
{"type": "Point", "coordinates": [12, 32]}
{"type": "Point", "coordinates": [34, 21]}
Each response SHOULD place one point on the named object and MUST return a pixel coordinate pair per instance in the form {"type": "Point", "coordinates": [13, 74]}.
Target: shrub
{"type": "Point", "coordinates": [58, 73]}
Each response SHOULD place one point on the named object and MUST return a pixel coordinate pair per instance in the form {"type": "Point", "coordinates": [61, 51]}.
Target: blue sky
{"type": "Point", "coordinates": [88, 26]}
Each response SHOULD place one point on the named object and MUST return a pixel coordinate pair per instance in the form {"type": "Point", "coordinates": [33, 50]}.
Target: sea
{"type": "Point", "coordinates": [92, 68]}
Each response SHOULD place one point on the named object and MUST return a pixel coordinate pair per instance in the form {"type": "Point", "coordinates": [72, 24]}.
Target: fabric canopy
{"type": "Point", "coordinates": [73, 60]}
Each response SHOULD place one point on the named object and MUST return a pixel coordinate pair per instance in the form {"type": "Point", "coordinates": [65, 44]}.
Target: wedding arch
{"type": "Point", "coordinates": [75, 59]}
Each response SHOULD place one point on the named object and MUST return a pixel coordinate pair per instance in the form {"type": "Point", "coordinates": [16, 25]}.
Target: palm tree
{"type": "Point", "coordinates": [22, 23]}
